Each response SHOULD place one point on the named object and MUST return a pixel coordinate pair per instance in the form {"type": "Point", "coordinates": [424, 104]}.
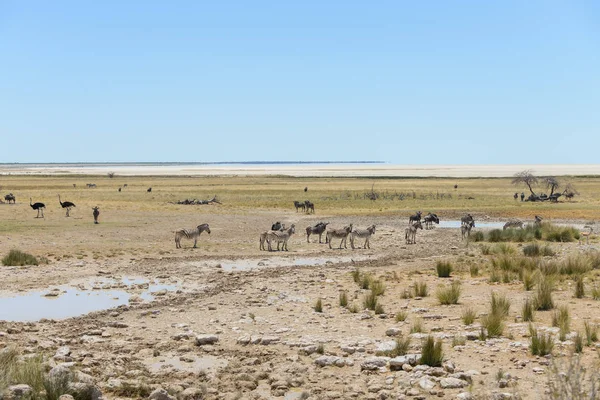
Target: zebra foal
{"type": "Point", "coordinates": [363, 234]}
{"type": "Point", "coordinates": [465, 230]}
{"type": "Point", "coordinates": [515, 223]}
{"type": "Point", "coordinates": [410, 234]}
{"type": "Point", "coordinates": [190, 234]}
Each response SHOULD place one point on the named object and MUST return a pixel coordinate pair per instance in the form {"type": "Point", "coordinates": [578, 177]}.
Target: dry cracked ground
{"type": "Point", "coordinates": [227, 321]}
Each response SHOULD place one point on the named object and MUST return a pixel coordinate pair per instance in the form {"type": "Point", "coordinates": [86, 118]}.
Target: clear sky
{"type": "Point", "coordinates": [410, 82]}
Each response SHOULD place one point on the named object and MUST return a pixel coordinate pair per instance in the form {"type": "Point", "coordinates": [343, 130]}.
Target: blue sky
{"type": "Point", "coordinates": [436, 82]}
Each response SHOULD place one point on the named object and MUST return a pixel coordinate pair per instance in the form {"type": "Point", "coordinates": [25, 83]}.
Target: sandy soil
{"type": "Point", "coordinates": [304, 170]}
{"type": "Point", "coordinates": [262, 338]}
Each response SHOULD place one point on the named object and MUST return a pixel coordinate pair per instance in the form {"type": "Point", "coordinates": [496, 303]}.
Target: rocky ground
{"type": "Point", "coordinates": [242, 325]}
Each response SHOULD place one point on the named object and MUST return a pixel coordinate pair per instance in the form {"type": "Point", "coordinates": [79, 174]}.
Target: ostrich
{"type": "Point", "coordinates": [67, 204]}
{"type": "Point", "coordinates": [96, 214]}
{"type": "Point", "coordinates": [38, 207]}
{"type": "Point", "coordinates": [149, 190]}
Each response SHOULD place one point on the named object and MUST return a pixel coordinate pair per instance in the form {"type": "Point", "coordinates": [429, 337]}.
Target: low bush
{"type": "Point", "coordinates": [528, 311]}
{"type": "Point", "coordinates": [444, 269]}
{"type": "Point", "coordinates": [318, 307]}
{"type": "Point", "coordinates": [19, 258]}
{"type": "Point", "coordinates": [343, 299]}
{"type": "Point", "coordinates": [432, 353]}
{"type": "Point", "coordinates": [449, 294]}
{"type": "Point", "coordinates": [543, 296]}
{"type": "Point", "coordinates": [421, 289]}
{"type": "Point", "coordinates": [591, 333]}
{"type": "Point", "coordinates": [499, 304]}
{"type": "Point", "coordinates": [400, 349]}
{"type": "Point", "coordinates": [370, 301]}
{"type": "Point", "coordinates": [579, 287]}
{"type": "Point", "coordinates": [468, 316]}
{"type": "Point", "coordinates": [401, 316]}
{"type": "Point", "coordinates": [541, 344]}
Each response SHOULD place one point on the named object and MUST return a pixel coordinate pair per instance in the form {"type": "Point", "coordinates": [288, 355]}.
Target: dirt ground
{"type": "Point", "coordinates": [238, 322]}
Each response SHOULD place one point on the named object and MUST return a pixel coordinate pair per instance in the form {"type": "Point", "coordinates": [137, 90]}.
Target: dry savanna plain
{"type": "Point", "coordinates": [113, 310]}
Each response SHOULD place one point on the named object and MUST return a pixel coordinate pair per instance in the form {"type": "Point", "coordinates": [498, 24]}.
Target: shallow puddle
{"type": "Point", "coordinates": [66, 301]}
{"type": "Point", "coordinates": [478, 224]}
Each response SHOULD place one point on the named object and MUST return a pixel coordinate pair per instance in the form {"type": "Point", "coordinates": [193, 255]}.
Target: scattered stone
{"type": "Point", "coordinates": [160, 394]}
{"type": "Point", "coordinates": [374, 363]}
{"type": "Point", "coordinates": [393, 331]}
{"type": "Point", "coordinates": [266, 340]}
{"type": "Point", "coordinates": [426, 383]}
{"type": "Point", "coordinates": [453, 383]}
{"type": "Point", "coordinates": [325, 361]}
{"type": "Point", "coordinates": [17, 392]}
{"type": "Point", "coordinates": [201, 340]}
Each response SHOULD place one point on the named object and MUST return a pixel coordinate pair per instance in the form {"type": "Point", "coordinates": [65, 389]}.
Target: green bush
{"type": "Point", "coordinates": [444, 269]}
{"type": "Point", "coordinates": [499, 304]}
{"type": "Point", "coordinates": [477, 236]}
{"type": "Point", "coordinates": [449, 294]}
{"type": "Point", "coordinates": [541, 344]}
{"type": "Point", "coordinates": [432, 353]}
{"type": "Point", "coordinates": [578, 343]}
{"type": "Point", "coordinates": [543, 296]}
{"type": "Point", "coordinates": [528, 311]}
{"type": "Point", "coordinates": [377, 287]}
{"type": "Point", "coordinates": [421, 289]}
{"type": "Point", "coordinates": [19, 258]}
{"type": "Point", "coordinates": [370, 301]}
{"type": "Point", "coordinates": [562, 320]}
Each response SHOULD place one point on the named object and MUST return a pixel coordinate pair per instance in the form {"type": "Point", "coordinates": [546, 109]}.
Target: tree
{"type": "Point", "coordinates": [570, 191]}
{"type": "Point", "coordinates": [525, 177]}
{"type": "Point", "coordinates": [551, 183]}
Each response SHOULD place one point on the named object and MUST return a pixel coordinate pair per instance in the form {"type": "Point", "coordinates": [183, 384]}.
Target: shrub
{"type": "Point", "coordinates": [400, 349]}
{"type": "Point", "coordinates": [547, 251]}
{"type": "Point", "coordinates": [320, 349]}
{"type": "Point", "coordinates": [407, 294]}
{"type": "Point", "coordinates": [379, 309]}
{"type": "Point", "coordinates": [495, 276]}
{"type": "Point", "coordinates": [18, 258]}
{"type": "Point", "coordinates": [401, 316]}
{"type": "Point", "coordinates": [449, 294]}
{"type": "Point", "coordinates": [504, 248]}
{"type": "Point", "coordinates": [370, 301]}
{"type": "Point", "coordinates": [468, 316]}
{"type": "Point", "coordinates": [365, 281]}
{"type": "Point", "coordinates": [421, 289]}
{"type": "Point", "coordinates": [493, 324]}
{"type": "Point", "coordinates": [343, 299]}
{"type": "Point", "coordinates": [579, 287]}
{"type": "Point", "coordinates": [527, 311]}
{"type": "Point", "coordinates": [532, 250]}
{"type": "Point", "coordinates": [499, 304]}
{"type": "Point", "coordinates": [541, 344]}
{"type": "Point", "coordinates": [529, 280]}
{"type": "Point", "coordinates": [353, 308]}
{"type": "Point", "coordinates": [356, 275]}
{"type": "Point", "coordinates": [596, 293]}
{"type": "Point", "coordinates": [575, 265]}
{"type": "Point", "coordinates": [495, 235]}
{"type": "Point", "coordinates": [474, 270]}
{"type": "Point", "coordinates": [572, 381]}
{"type": "Point", "coordinates": [377, 287]}
{"type": "Point", "coordinates": [318, 306]}
{"type": "Point", "coordinates": [486, 250]}
{"type": "Point", "coordinates": [477, 236]}
{"type": "Point", "coordinates": [444, 269]}
{"type": "Point", "coordinates": [577, 343]}
{"type": "Point", "coordinates": [432, 353]}
{"type": "Point", "coordinates": [591, 333]}
{"type": "Point", "coordinates": [417, 326]}
{"type": "Point", "coordinates": [543, 296]}
{"type": "Point", "coordinates": [562, 320]}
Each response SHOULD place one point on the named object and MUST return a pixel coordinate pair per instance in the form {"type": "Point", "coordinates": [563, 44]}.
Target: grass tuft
{"type": "Point", "coordinates": [417, 326]}
{"type": "Point", "coordinates": [19, 258]}
{"type": "Point", "coordinates": [401, 316]}
{"type": "Point", "coordinates": [449, 294]}
{"type": "Point", "coordinates": [541, 344]}
{"type": "Point", "coordinates": [444, 269]}
{"type": "Point", "coordinates": [343, 299]}
{"type": "Point", "coordinates": [318, 306]}
{"type": "Point", "coordinates": [543, 295]}
{"type": "Point", "coordinates": [528, 311]}
{"type": "Point", "coordinates": [421, 289]}
{"type": "Point", "coordinates": [370, 301]}
{"type": "Point", "coordinates": [579, 287]}
{"type": "Point", "coordinates": [432, 353]}
{"type": "Point", "coordinates": [591, 333]}
{"type": "Point", "coordinates": [468, 316]}
{"type": "Point", "coordinates": [562, 320]}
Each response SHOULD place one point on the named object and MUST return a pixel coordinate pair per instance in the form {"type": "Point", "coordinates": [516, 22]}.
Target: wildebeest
{"type": "Point", "coordinates": [430, 219]}
{"type": "Point", "coordinates": [299, 205]}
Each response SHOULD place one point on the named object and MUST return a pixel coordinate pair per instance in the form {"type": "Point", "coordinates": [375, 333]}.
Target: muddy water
{"type": "Point", "coordinates": [66, 301]}
{"type": "Point", "coordinates": [248, 264]}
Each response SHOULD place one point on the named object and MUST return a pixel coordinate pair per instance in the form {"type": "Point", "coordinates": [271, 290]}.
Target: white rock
{"type": "Point", "coordinates": [160, 394]}
{"type": "Point", "coordinates": [426, 383]}
{"type": "Point", "coordinates": [206, 339]}
{"type": "Point", "coordinates": [374, 363]}
{"type": "Point", "coordinates": [453, 383]}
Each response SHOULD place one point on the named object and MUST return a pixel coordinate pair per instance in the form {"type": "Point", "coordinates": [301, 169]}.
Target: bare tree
{"type": "Point", "coordinates": [525, 177]}
{"type": "Point", "coordinates": [551, 183]}
{"type": "Point", "coordinates": [570, 191]}
{"type": "Point", "coordinates": [111, 174]}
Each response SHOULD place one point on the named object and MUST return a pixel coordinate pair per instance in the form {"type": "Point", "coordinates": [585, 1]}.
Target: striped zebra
{"type": "Point", "coordinates": [537, 222]}
{"type": "Point", "coordinates": [280, 237]}
{"type": "Point", "coordinates": [465, 230]}
{"type": "Point", "coordinates": [513, 223]}
{"type": "Point", "coordinates": [410, 234]}
{"type": "Point", "coordinates": [190, 234]}
{"type": "Point", "coordinates": [363, 234]}
{"type": "Point", "coordinates": [278, 226]}
{"type": "Point", "coordinates": [318, 229]}
{"type": "Point", "coordinates": [467, 219]}
{"type": "Point", "coordinates": [340, 234]}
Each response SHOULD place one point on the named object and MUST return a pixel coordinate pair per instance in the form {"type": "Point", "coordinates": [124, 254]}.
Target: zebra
{"type": "Point", "coordinates": [514, 223]}
{"type": "Point", "coordinates": [190, 234]}
{"type": "Point", "coordinates": [414, 218]}
{"type": "Point", "coordinates": [430, 219]}
{"type": "Point", "coordinates": [317, 229]}
{"type": "Point", "coordinates": [278, 226]}
{"type": "Point", "coordinates": [339, 233]}
{"type": "Point", "coordinates": [467, 219]}
{"type": "Point", "coordinates": [309, 205]}
{"type": "Point", "coordinates": [465, 229]}
{"type": "Point", "coordinates": [90, 185]}
{"type": "Point", "coordinates": [362, 233]}
{"type": "Point", "coordinates": [300, 204]}
{"type": "Point", "coordinates": [537, 222]}
{"type": "Point", "coordinates": [411, 232]}
{"type": "Point", "coordinates": [280, 237]}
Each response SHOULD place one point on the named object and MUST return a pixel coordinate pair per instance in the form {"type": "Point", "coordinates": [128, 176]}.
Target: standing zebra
{"type": "Point", "coordinates": [280, 237]}
{"type": "Point", "coordinates": [537, 222]}
{"type": "Point", "coordinates": [363, 234]}
{"type": "Point", "coordinates": [340, 234]}
{"type": "Point", "coordinates": [465, 230]}
{"type": "Point", "coordinates": [467, 219]}
{"type": "Point", "coordinates": [278, 226]}
{"type": "Point", "coordinates": [190, 234]}
{"type": "Point", "coordinates": [318, 229]}
{"type": "Point", "coordinates": [410, 234]}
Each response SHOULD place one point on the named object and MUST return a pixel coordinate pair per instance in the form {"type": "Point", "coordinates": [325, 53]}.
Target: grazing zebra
{"type": "Point", "coordinates": [190, 234]}
{"type": "Point", "coordinates": [318, 229]}
{"type": "Point", "coordinates": [299, 204]}
{"type": "Point", "coordinates": [514, 223]}
{"type": "Point", "coordinates": [415, 218]}
{"type": "Point", "coordinates": [411, 232]}
{"type": "Point", "coordinates": [363, 234]}
{"type": "Point", "coordinates": [340, 234]}
{"type": "Point", "coordinates": [537, 222]}
{"type": "Point", "coordinates": [430, 219]}
{"type": "Point", "coordinates": [467, 219]}
{"type": "Point", "coordinates": [465, 229]}
{"type": "Point", "coordinates": [90, 185]}
{"type": "Point", "coordinates": [280, 237]}
{"type": "Point", "coordinates": [309, 205]}
{"type": "Point", "coordinates": [278, 226]}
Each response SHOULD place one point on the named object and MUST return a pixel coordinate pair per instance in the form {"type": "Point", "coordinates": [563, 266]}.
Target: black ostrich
{"type": "Point", "coordinates": [66, 204]}
{"type": "Point", "coordinates": [38, 207]}
{"type": "Point", "coordinates": [149, 190]}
